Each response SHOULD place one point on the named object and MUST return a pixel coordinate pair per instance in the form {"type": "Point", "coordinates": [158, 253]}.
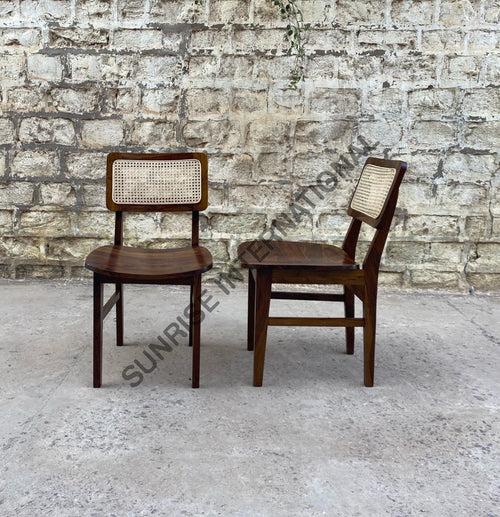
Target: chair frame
{"type": "Point", "coordinates": [361, 283]}
{"type": "Point", "coordinates": [101, 309]}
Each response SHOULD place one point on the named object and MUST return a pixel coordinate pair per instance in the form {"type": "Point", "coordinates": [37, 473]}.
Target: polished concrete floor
{"type": "Point", "coordinates": [312, 441]}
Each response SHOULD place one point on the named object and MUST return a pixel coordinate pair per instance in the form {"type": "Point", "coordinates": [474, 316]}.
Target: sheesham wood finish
{"type": "Point", "coordinates": [119, 264]}
{"type": "Point", "coordinates": [286, 262]}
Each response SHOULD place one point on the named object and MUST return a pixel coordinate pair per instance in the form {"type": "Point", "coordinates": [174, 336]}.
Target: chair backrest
{"type": "Point", "coordinates": [144, 182]}
{"type": "Point", "coordinates": [374, 202]}
{"type": "Point", "coordinates": [379, 180]}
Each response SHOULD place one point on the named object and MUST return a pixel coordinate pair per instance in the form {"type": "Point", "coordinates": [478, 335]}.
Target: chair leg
{"type": "Point", "coordinates": [369, 314]}
{"type": "Point", "coordinates": [98, 294]}
{"type": "Point", "coordinates": [251, 311]}
{"type": "Point", "coordinates": [349, 313]}
{"type": "Point", "coordinates": [263, 298]}
{"type": "Point", "coordinates": [191, 315]}
{"type": "Point", "coordinates": [196, 321]}
{"type": "Point", "coordinates": [119, 315]}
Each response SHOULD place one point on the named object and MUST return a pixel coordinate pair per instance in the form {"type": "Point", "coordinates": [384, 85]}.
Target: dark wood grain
{"type": "Point", "coordinates": [121, 264]}
{"type": "Point", "coordinates": [288, 254]}
{"type": "Point", "coordinates": [126, 263]}
{"type": "Point", "coordinates": [286, 262]}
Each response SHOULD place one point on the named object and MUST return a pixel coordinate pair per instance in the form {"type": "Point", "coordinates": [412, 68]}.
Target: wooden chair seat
{"type": "Point", "coordinates": [129, 263]}
{"type": "Point", "coordinates": [289, 255]}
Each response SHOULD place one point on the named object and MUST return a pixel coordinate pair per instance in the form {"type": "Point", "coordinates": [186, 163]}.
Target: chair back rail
{"type": "Point", "coordinates": [156, 182]}
{"type": "Point", "coordinates": [374, 202]}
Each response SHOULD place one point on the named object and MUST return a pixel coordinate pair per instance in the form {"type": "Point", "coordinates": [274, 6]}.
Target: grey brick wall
{"type": "Point", "coordinates": [82, 77]}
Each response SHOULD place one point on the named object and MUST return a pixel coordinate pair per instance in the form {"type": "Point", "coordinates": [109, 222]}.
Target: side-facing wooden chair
{"type": "Point", "coordinates": [373, 202]}
{"type": "Point", "coordinates": [151, 183]}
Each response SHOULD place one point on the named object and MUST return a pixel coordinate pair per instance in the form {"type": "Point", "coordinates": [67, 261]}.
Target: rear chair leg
{"type": "Point", "coordinates": [119, 315]}
{"type": "Point", "coordinates": [262, 300]}
{"type": "Point", "coordinates": [349, 313]}
{"type": "Point", "coordinates": [98, 293]}
{"type": "Point", "coordinates": [196, 330]}
{"type": "Point", "coordinates": [251, 311]}
{"type": "Point", "coordinates": [369, 314]}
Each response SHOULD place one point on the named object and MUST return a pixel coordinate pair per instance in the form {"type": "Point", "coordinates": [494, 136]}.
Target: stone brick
{"type": "Point", "coordinates": [272, 166]}
{"type": "Point", "coordinates": [57, 194]}
{"type": "Point", "coordinates": [26, 99]}
{"type": "Point", "coordinates": [432, 135]}
{"type": "Point", "coordinates": [263, 197]}
{"type": "Point", "coordinates": [310, 135]}
{"type": "Point", "coordinates": [483, 135]}
{"type": "Point", "coordinates": [86, 165]}
{"type": "Point", "coordinates": [227, 11]}
{"type": "Point", "coordinates": [12, 67]}
{"type": "Point", "coordinates": [42, 130]}
{"type": "Point", "coordinates": [45, 68]}
{"type": "Point", "coordinates": [228, 225]}
{"type": "Point", "coordinates": [430, 227]}
{"type": "Point", "coordinates": [94, 9]}
{"type": "Point", "coordinates": [138, 39]}
{"type": "Point", "coordinates": [152, 134]}
{"type": "Point", "coordinates": [102, 133]}
{"type": "Point", "coordinates": [158, 102]}
{"type": "Point", "coordinates": [442, 42]}
{"type": "Point", "coordinates": [35, 163]}
{"type": "Point", "coordinates": [267, 132]}
{"type": "Point", "coordinates": [21, 39]}
{"type": "Point", "coordinates": [486, 260]}
{"type": "Point", "coordinates": [235, 169]}
{"type": "Point", "coordinates": [457, 13]}
{"type": "Point", "coordinates": [206, 102]}
{"type": "Point", "coordinates": [7, 131]}
{"type": "Point", "coordinates": [44, 224]}
{"type": "Point", "coordinates": [337, 103]}
{"type": "Point", "coordinates": [78, 100]}
{"type": "Point", "coordinates": [481, 103]}
{"type": "Point", "coordinates": [212, 133]}
{"type": "Point", "coordinates": [381, 132]}
{"type": "Point", "coordinates": [435, 279]}
{"type": "Point", "coordinates": [412, 12]}
{"type": "Point", "coordinates": [358, 12]}
{"type": "Point", "coordinates": [14, 194]}
{"type": "Point", "coordinates": [6, 222]}
{"type": "Point", "coordinates": [94, 196]}
{"type": "Point", "coordinates": [463, 167]}
{"type": "Point", "coordinates": [78, 37]}
{"type": "Point", "coordinates": [387, 101]}
{"type": "Point", "coordinates": [48, 10]}
{"type": "Point", "coordinates": [439, 103]}
{"type": "Point", "coordinates": [482, 42]}
{"type": "Point", "coordinates": [249, 101]}
{"type": "Point", "coordinates": [387, 39]}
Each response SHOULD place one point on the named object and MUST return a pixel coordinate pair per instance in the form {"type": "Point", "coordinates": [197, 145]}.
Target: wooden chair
{"type": "Point", "coordinates": [147, 183]}
{"type": "Point", "coordinates": [373, 202]}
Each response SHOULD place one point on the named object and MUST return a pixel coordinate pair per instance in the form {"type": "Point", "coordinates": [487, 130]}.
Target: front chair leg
{"type": "Point", "coordinates": [98, 294]}
{"type": "Point", "coordinates": [370, 316]}
{"type": "Point", "coordinates": [191, 315]}
{"type": "Point", "coordinates": [196, 330]}
{"type": "Point", "coordinates": [251, 311]}
{"type": "Point", "coordinates": [349, 313]}
{"type": "Point", "coordinates": [119, 315]}
{"type": "Point", "coordinates": [262, 300]}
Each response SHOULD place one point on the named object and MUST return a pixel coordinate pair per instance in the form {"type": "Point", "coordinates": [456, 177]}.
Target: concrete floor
{"type": "Point", "coordinates": [312, 441]}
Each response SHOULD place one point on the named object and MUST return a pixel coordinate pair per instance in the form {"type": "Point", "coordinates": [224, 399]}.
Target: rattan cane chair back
{"type": "Point", "coordinates": [157, 182]}
{"type": "Point", "coordinates": [377, 182]}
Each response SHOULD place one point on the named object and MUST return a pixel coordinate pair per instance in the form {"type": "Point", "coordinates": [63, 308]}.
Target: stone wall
{"type": "Point", "coordinates": [80, 78]}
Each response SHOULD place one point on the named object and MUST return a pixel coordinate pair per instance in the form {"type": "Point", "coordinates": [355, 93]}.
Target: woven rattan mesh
{"type": "Point", "coordinates": [156, 182]}
{"type": "Point", "coordinates": [372, 190]}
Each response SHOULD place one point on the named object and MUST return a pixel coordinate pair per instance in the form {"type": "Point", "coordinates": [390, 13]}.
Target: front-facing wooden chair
{"type": "Point", "coordinates": [373, 202]}
{"type": "Point", "coordinates": [151, 183]}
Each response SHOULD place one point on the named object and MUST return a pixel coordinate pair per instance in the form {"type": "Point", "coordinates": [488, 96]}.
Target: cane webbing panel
{"type": "Point", "coordinates": [156, 182]}
{"type": "Point", "coordinates": [372, 190]}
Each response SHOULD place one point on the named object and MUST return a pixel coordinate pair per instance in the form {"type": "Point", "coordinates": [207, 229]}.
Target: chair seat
{"type": "Point", "coordinates": [127, 263]}
{"type": "Point", "coordinates": [287, 254]}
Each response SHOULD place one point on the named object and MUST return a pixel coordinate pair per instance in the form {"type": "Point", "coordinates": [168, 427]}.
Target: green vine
{"type": "Point", "coordinates": [295, 32]}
